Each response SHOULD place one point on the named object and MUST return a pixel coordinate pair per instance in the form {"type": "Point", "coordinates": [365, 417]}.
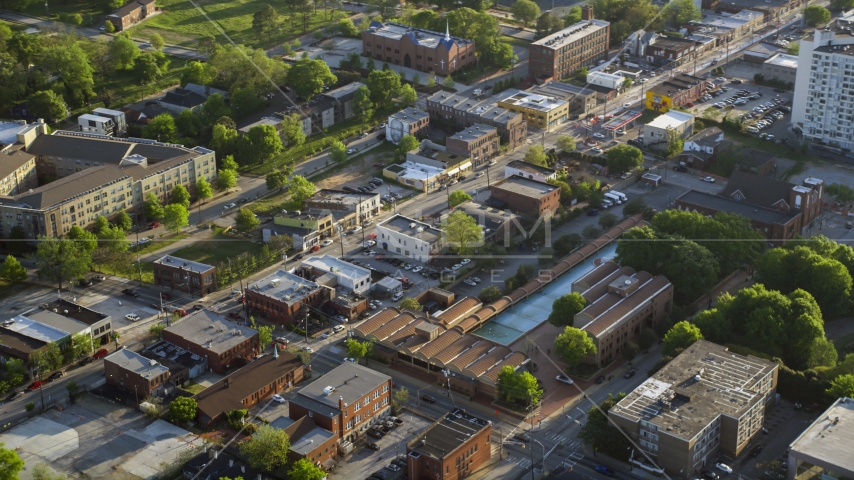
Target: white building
{"type": "Point", "coordinates": [607, 80]}
{"type": "Point", "coordinates": [528, 170]}
{"type": "Point", "coordinates": [408, 121]}
{"type": "Point", "coordinates": [409, 238]}
{"type": "Point", "coordinates": [350, 277]}
{"type": "Point", "coordinates": [823, 105]}
{"type": "Point", "coordinates": [655, 133]}
{"type": "Point", "coordinates": [118, 118]}
{"type": "Point", "coordinates": [97, 124]}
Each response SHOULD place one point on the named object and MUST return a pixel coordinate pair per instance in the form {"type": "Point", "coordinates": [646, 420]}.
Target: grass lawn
{"type": "Point", "coordinates": [127, 88]}
{"type": "Point", "coordinates": [159, 243]}
{"type": "Point", "coordinates": [515, 41]}
{"type": "Point", "coordinates": [218, 249]}
{"type": "Point", "coordinates": [193, 388]}
{"type": "Point", "coordinates": [182, 24]}
{"type": "Point", "coordinates": [92, 11]}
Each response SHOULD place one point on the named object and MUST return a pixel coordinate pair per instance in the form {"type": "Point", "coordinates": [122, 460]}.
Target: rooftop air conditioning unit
{"type": "Point", "coordinates": [328, 390]}
{"type": "Point", "coordinates": [412, 225]}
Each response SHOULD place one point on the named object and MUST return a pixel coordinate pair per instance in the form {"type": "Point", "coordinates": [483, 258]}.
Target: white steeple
{"type": "Point", "coordinates": [447, 30]}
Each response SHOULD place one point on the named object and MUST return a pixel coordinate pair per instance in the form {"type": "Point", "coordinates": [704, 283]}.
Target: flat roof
{"type": "Point", "coordinates": [447, 434]}
{"type": "Point", "coordinates": [418, 171]}
{"type": "Point", "coordinates": [349, 380]}
{"type": "Point", "coordinates": [830, 438]}
{"type": "Point", "coordinates": [409, 114]}
{"type": "Point", "coordinates": [107, 111]}
{"type": "Point", "coordinates": [339, 92]}
{"type": "Point", "coordinates": [75, 311]}
{"type": "Point", "coordinates": [671, 119]}
{"type": "Point", "coordinates": [474, 132]}
{"type": "Point", "coordinates": [749, 210]}
{"type": "Point", "coordinates": [9, 131]}
{"type": "Point", "coordinates": [530, 167]}
{"type": "Point", "coordinates": [561, 89]}
{"type": "Point", "coordinates": [136, 363]}
{"type": "Point", "coordinates": [271, 121]}
{"type": "Point", "coordinates": [571, 33]}
{"type": "Point", "coordinates": [210, 330]}
{"type": "Point", "coordinates": [190, 265]}
{"type": "Point", "coordinates": [328, 263]}
{"type": "Point", "coordinates": [533, 101]}
{"type": "Point", "coordinates": [419, 36]}
{"type": "Point", "coordinates": [45, 326]}
{"type": "Point", "coordinates": [783, 60]}
{"type": "Point", "coordinates": [680, 82]}
{"type": "Point", "coordinates": [526, 186]}
{"type": "Point", "coordinates": [340, 196]}
{"type": "Point", "coordinates": [682, 405]}
{"type": "Point", "coordinates": [486, 216]}
{"type": "Point", "coordinates": [409, 227]}
{"type": "Point", "coordinates": [672, 43]}
{"type": "Point", "coordinates": [284, 286]}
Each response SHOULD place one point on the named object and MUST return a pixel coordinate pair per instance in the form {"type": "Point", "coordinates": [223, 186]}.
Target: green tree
{"type": "Point", "coordinates": [150, 66]}
{"type": "Point", "coordinates": [265, 336]}
{"type": "Point", "coordinates": [590, 232]}
{"type": "Point", "coordinates": [226, 179]}
{"type": "Point", "coordinates": [383, 85]}
{"type": "Point", "coordinates": [189, 124]}
{"type": "Point", "coordinates": [123, 221]}
{"type": "Point", "coordinates": [457, 197]}
{"type": "Point", "coordinates": [260, 145]}
{"type": "Point", "coordinates": [12, 271]}
{"type": "Point", "coordinates": [682, 335]}
{"type": "Point", "coordinates": [308, 77]}
{"type": "Point", "coordinates": [42, 471]}
{"type": "Point", "coordinates": [75, 19]}
{"type": "Point", "coordinates": [692, 268]}
{"type": "Point", "coordinates": [338, 152]}
{"type": "Point", "coordinates": [630, 351]}
{"type": "Point", "coordinates": [246, 220]}
{"type": "Point", "coordinates": [267, 449]}
{"type": "Point", "coordinates": [607, 220]}
{"type": "Point", "coordinates": [842, 4]}
{"type": "Point", "coordinates": [87, 241]}
{"type": "Point", "coordinates": [536, 155]}
{"type": "Point", "coordinates": [156, 330]}
{"type": "Point", "coordinates": [224, 140]}
{"type": "Point", "coordinates": [573, 344]}
{"type": "Point", "coordinates": [197, 72]}
{"type": "Point", "coordinates": [293, 131]}
{"type": "Point", "coordinates": [627, 83]}
{"type": "Point", "coordinates": [266, 21]}
{"type": "Point", "coordinates": [565, 308]}
{"type": "Point", "coordinates": [842, 387]}
{"type": "Point", "coordinates": [109, 27]}
{"type": "Point", "coordinates": [410, 303]}
{"type": "Point", "coordinates": [816, 15]}
{"type": "Point", "coordinates": [567, 243]}
{"type": "Point", "coordinates": [681, 12]}
{"type": "Point", "coordinates": [634, 206]}
{"type": "Point", "coordinates": [48, 105]}
{"type": "Point", "coordinates": [566, 143]}
{"type": "Point", "coordinates": [175, 217]}
{"type": "Point", "coordinates": [101, 224]}
{"type": "Point", "coordinates": [214, 107]}
{"type": "Point", "coordinates": [623, 158]}
{"type": "Point", "coordinates": [157, 41]}
{"type": "Point", "coordinates": [10, 463]}
{"type": "Point", "coordinates": [407, 95]}
{"type": "Point", "coordinates": [357, 349]}
{"type": "Point", "coordinates": [304, 469]}
{"type": "Point", "coordinates": [674, 143]}
{"type": "Point", "coordinates": [348, 29]}
{"type": "Point", "coordinates": [13, 79]}
{"type": "Point", "coordinates": [300, 189]}
{"type": "Point", "coordinates": [841, 193]}
{"type": "Point", "coordinates": [245, 102]}
{"type": "Point", "coordinates": [161, 128]}
{"type": "Point", "coordinates": [822, 353]}
{"type": "Point", "coordinates": [277, 179]}
{"type": "Point", "coordinates": [152, 207]}
{"type": "Point", "coordinates": [600, 434]}
{"type": "Point", "coordinates": [715, 325]}
{"type": "Point", "coordinates": [572, 17]}
{"type": "Point", "coordinates": [180, 196]}
{"type": "Point", "coordinates": [123, 52]}
{"type": "Point", "coordinates": [204, 190]}
{"type": "Point", "coordinates": [431, 81]}
{"type": "Point", "coordinates": [407, 144]}
{"type": "Point", "coordinates": [61, 259]}
{"type": "Point", "coordinates": [461, 232]}
{"type": "Point", "coordinates": [228, 163]}
{"type": "Point", "coordinates": [183, 409]}
{"type": "Point", "coordinates": [448, 82]}
{"type": "Point", "coordinates": [525, 11]}
{"type": "Point", "coordinates": [548, 24]}
{"type": "Point", "coordinates": [81, 345]}
{"type": "Point", "coordinates": [490, 294]}
{"type": "Point", "coordinates": [518, 386]}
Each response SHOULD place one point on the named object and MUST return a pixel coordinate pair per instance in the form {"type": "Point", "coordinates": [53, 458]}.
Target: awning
{"type": "Point", "coordinates": [329, 464]}
{"type": "Point", "coordinates": [453, 171]}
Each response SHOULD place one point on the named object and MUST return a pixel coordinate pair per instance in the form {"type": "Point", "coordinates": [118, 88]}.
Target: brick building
{"type": "Point", "coordinates": [457, 111]}
{"type": "Point", "coordinates": [308, 440]}
{"type": "Point", "coordinates": [409, 121]}
{"type": "Point", "coordinates": [225, 344]}
{"type": "Point", "coordinates": [779, 210]}
{"type": "Point", "coordinates": [621, 303]}
{"type": "Point", "coordinates": [451, 448]}
{"type": "Point", "coordinates": [132, 12]}
{"type": "Point", "coordinates": [418, 48]}
{"type": "Point", "coordinates": [132, 372]}
{"type": "Point", "coordinates": [561, 54]}
{"type": "Point", "coordinates": [525, 195]}
{"type": "Point", "coordinates": [252, 384]}
{"type": "Point", "coordinates": [671, 50]}
{"type": "Point", "coordinates": [530, 171]}
{"type": "Point", "coordinates": [279, 297]}
{"type": "Point", "coordinates": [675, 92]}
{"type": "Point", "coordinates": [478, 142]}
{"type": "Point", "coordinates": [345, 401]}
{"type": "Point", "coordinates": [185, 275]}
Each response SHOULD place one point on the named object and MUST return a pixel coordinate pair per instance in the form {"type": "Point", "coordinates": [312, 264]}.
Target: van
{"type": "Point", "coordinates": [607, 203]}
{"type": "Point", "coordinates": [621, 195]}
{"type": "Point", "coordinates": [614, 198]}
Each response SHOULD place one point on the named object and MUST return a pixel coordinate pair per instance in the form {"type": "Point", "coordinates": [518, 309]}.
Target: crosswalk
{"type": "Point", "coordinates": [573, 459]}
{"type": "Point", "coordinates": [521, 461]}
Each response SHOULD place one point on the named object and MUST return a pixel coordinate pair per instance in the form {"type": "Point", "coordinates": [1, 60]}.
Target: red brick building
{"type": "Point", "coordinates": [561, 54]}
{"type": "Point", "coordinates": [478, 142]}
{"type": "Point", "coordinates": [225, 344]}
{"type": "Point", "coordinates": [135, 11]}
{"type": "Point", "coordinates": [346, 401]}
{"type": "Point", "coordinates": [308, 440]}
{"type": "Point", "coordinates": [527, 196]}
{"type": "Point", "coordinates": [450, 449]}
{"type": "Point", "coordinates": [279, 297]}
{"type": "Point", "coordinates": [132, 372]}
{"type": "Point", "coordinates": [185, 275]}
{"type": "Point", "coordinates": [252, 384]}
{"type": "Point", "coordinates": [423, 50]}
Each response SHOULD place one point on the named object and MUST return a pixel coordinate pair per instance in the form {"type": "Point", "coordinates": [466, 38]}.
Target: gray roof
{"type": "Point", "coordinates": [829, 440]}
{"type": "Point", "coordinates": [749, 210]}
{"type": "Point", "coordinates": [563, 90]}
{"type": "Point", "coordinates": [95, 149]}
{"type": "Point", "coordinates": [319, 408]}
{"type": "Point", "coordinates": [404, 225]}
{"type": "Point", "coordinates": [340, 197]}
{"type": "Point", "coordinates": [530, 167]}
{"type": "Point", "coordinates": [190, 265]}
{"type": "Point", "coordinates": [389, 283]}
{"type": "Point", "coordinates": [284, 286]}
{"type": "Point", "coordinates": [212, 331]}
{"type": "Point", "coordinates": [525, 186]}
{"type": "Point", "coordinates": [447, 434]}
{"type": "Point", "coordinates": [331, 264]}
{"type": "Point", "coordinates": [572, 33]}
{"type": "Point", "coordinates": [349, 89]}
{"type": "Point", "coordinates": [134, 362]}
{"type": "Point", "coordinates": [350, 381]}
{"type": "Point", "coordinates": [474, 132]}
{"type": "Point", "coordinates": [758, 190]}
{"type": "Point", "coordinates": [183, 98]}
{"type": "Point", "coordinates": [12, 159]}
{"type": "Point", "coordinates": [77, 183]}
{"type": "Point", "coordinates": [707, 137]}
{"type": "Point", "coordinates": [409, 114]}
{"type": "Point", "coordinates": [57, 320]}
{"type": "Point", "coordinates": [758, 158]}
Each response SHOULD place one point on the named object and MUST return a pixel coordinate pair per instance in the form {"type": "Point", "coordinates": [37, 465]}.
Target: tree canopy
{"type": "Point", "coordinates": [573, 344]}
{"type": "Point", "coordinates": [682, 335]}
{"type": "Point", "coordinates": [457, 197]}
{"type": "Point", "coordinates": [300, 189]}
{"type": "Point", "coordinates": [183, 409]}
{"type": "Point", "coordinates": [309, 76]}
{"type": "Point", "coordinates": [461, 232]}
{"type": "Point", "coordinates": [62, 259]}
{"type": "Point", "coordinates": [536, 156]}
{"type": "Point", "coordinates": [623, 158]}
{"type": "Point", "coordinates": [816, 15]}
{"type": "Point", "coordinates": [267, 449]}
{"type": "Point", "coordinates": [304, 469]}
{"type": "Point", "coordinates": [525, 11]}
{"type": "Point", "coordinates": [518, 386]}
{"type": "Point", "coordinates": [383, 85]}
{"type": "Point", "coordinates": [565, 308]}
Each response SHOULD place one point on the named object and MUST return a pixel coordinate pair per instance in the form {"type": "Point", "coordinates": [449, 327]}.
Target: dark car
{"type": "Point", "coordinates": [373, 446]}
{"type": "Point", "coordinates": [86, 361]}
{"type": "Point", "coordinates": [198, 307]}
{"type": "Point", "coordinates": [737, 81]}
{"type": "Point", "coordinates": [234, 315]}
{"type": "Point", "coordinates": [364, 315]}
{"type": "Point", "coordinates": [605, 470]}
{"type": "Point", "coordinates": [756, 451]}
{"type": "Point", "coordinates": [428, 398]}
{"type": "Point", "coordinates": [131, 292]}
{"type": "Point", "coordinates": [680, 168]}
{"type": "Point", "coordinates": [711, 474]}
{"type": "Point", "coordinates": [99, 278]}
{"type": "Point", "coordinates": [600, 379]}
{"type": "Point", "coordinates": [243, 200]}
{"type": "Point", "coordinates": [165, 296]}
{"type": "Point", "coordinates": [523, 437]}
{"type": "Point", "coordinates": [85, 282]}
{"type": "Point", "coordinates": [592, 212]}
{"type": "Point", "coordinates": [350, 189]}
{"type": "Point", "coordinates": [375, 433]}
{"type": "Point", "coordinates": [629, 374]}
{"type": "Point", "coordinates": [299, 256]}
{"type": "Point", "coordinates": [53, 376]}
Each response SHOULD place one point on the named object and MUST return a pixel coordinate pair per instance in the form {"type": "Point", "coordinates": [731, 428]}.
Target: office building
{"type": "Point", "coordinates": [88, 123]}
{"type": "Point", "coordinates": [781, 67]}
{"type": "Point", "coordinates": [283, 298]}
{"type": "Point", "coordinates": [823, 450]}
{"type": "Point", "coordinates": [658, 132]}
{"type": "Point", "coordinates": [134, 373]}
{"type": "Point", "coordinates": [707, 402]}
{"type": "Point", "coordinates": [185, 275]}
{"type": "Point", "coordinates": [224, 343]}
{"type": "Point", "coordinates": [676, 91]}
{"type": "Point", "coordinates": [539, 111]}
{"type": "Point", "coordinates": [823, 104]}
{"type": "Point", "coordinates": [409, 121]}
{"type": "Point", "coordinates": [409, 238]}
{"type": "Point", "coordinates": [100, 324]}
{"type": "Point", "coordinates": [527, 196]}
{"type": "Point", "coordinates": [418, 48]}
{"type": "Point", "coordinates": [529, 171]}
{"type": "Point", "coordinates": [663, 50]}
{"type": "Point", "coordinates": [452, 447]}
{"type": "Point", "coordinates": [560, 55]}
{"type": "Point", "coordinates": [478, 142]}
{"type": "Point", "coordinates": [349, 277]}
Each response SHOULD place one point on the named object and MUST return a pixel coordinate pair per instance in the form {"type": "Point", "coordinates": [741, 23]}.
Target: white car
{"type": "Point", "coordinates": [369, 243]}
{"type": "Point", "coordinates": [103, 29]}
{"type": "Point", "coordinates": [326, 243]}
{"type": "Point", "coordinates": [373, 306]}
{"type": "Point", "coordinates": [417, 269]}
{"type": "Point", "coordinates": [230, 205]}
{"type": "Point", "coordinates": [492, 163]}
{"type": "Point", "coordinates": [721, 79]}
{"type": "Point", "coordinates": [337, 328]}
{"type": "Point", "coordinates": [469, 282]}
{"type": "Point", "coordinates": [708, 179]}
{"type": "Point", "coordinates": [598, 135]}
{"type": "Point", "coordinates": [132, 317]}
{"type": "Point", "coordinates": [564, 379]}
{"type": "Point", "coordinates": [474, 279]}
{"type": "Point", "coordinates": [723, 467]}
{"type": "Point", "coordinates": [597, 150]}
{"type": "Point", "coordinates": [478, 174]}
{"type": "Point", "coordinates": [627, 105]}
{"type": "Point", "coordinates": [378, 303]}
{"type": "Point", "coordinates": [350, 359]}
{"type": "Point", "coordinates": [465, 261]}
{"type": "Point", "coordinates": [278, 398]}
{"type": "Point", "coordinates": [643, 80]}
{"type": "Point", "coordinates": [308, 349]}
{"type": "Point", "coordinates": [397, 296]}
{"type": "Point", "coordinates": [350, 151]}
{"type": "Point", "coordinates": [408, 266]}
{"type": "Point", "coordinates": [456, 267]}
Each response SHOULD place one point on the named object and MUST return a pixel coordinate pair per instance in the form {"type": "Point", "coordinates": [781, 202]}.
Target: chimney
{"type": "Point", "coordinates": [587, 12]}
{"type": "Point", "coordinates": [341, 403]}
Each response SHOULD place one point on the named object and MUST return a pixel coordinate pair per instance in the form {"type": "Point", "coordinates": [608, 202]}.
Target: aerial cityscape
{"type": "Point", "coordinates": [404, 240]}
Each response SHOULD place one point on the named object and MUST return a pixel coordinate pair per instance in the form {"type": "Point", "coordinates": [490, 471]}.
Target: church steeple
{"type": "Point", "coordinates": [447, 30]}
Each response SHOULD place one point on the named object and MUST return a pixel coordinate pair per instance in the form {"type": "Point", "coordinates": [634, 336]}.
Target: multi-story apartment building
{"type": "Point", "coordinates": [823, 105]}
{"type": "Point", "coordinates": [409, 121]}
{"type": "Point", "coordinates": [528, 196]}
{"type": "Point", "coordinates": [186, 275]}
{"type": "Point", "coordinates": [451, 448]}
{"type": "Point", "coordinates": [561, 54]}
{"type": "Point", "coordinates": [225, 344]}
{"type": "Point", "coordinates": [280, 297]}
{"type": "Point", "coordinates": [539, 111]}
{"type": "Point", "coordinates": [346, 401]}
{"type": "Point", "coordinates": [423, 50]}
{"type": "Point", "coordinates": [459, 111]}
{"type": "Point", "coordinates": [17, 171]}
{"type": "Point", "coordinates": [478, 142]}
{"type": "Point", "coordinates": [706, 402]}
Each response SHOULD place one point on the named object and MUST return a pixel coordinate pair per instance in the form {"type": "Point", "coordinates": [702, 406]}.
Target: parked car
{"type": "Point", "coordinates": [600, 379]}
{"type": "Point", "coordinates": [100, 353]}
{"type": "Point", "coordinates": [278, 398]}
{"type": "Point", "coordinates": [522, 436]}
{"type": "Point", "coordinates": [605, 470]}
{"type": "Point", "coordinates": [397, 296]}
{"type": "Point", "coordinates": [708, 179]}
{"type": "Point", "coordinates": [564, 379]}
{"type": "Point", "coordinates": [629, 374]}
{"type": "Point", "coordinates": [132, 317]}
{"type": "Point", "coordinates": [680, 168]}
{"type": "Point", "coordinates": [756, 451]}
{"type": "Point", "coordinates": [723, 467]}
{"type": "Point", "coordinates": [35, 385]}
{"type": "Point", "coordinates": [53, 376]}
{"type": "Point", "coordinates": [711, 475]}
{"type": "Point", "coordinates": [428, 398]}
{"type": "Point", "coordinates": [131, 292]}
{"type": "Point", "coordinates": [373, 446]}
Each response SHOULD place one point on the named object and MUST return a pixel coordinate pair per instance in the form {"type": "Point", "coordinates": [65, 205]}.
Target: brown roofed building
{"type": "Point", "coordinates": [225, 344]}
{"type": "Point", "coordinates": [308, 440]}
{"type": "Point", "coordinates": [453, 447]}
{"type": "Point", "coordinates": [254, 383]}
{"type": "Point", "coordinates": [130, 13]}
{"type": "Point", "coordinates": [756, 161]}
{"type": "Point", "coordinates": [701, 150]}
{"type": "Point", "coordinates": [525, 195]}
{"type": "Point", "coordinates": [457, 111]}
